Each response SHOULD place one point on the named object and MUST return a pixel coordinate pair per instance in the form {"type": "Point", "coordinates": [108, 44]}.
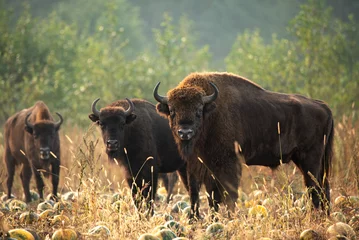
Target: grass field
{"type": "Point", "coordinates": [285, 215]}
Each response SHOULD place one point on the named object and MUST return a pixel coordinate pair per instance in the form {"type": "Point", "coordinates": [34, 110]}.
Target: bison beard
{"type": "Point", "coordinates": [185, 147]}
{"type": "Point", "coordinates": [118, 154]}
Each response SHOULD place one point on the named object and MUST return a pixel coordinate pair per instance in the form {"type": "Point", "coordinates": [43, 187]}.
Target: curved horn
{"type": "Point", "coordinates": [93, 108]}
{"type": "Point", "coordinates": [27, 123]}
{"type": "Point", "coordinates": [58, 124]}
{"type": "Point", "coordinates": [130, 108]}
{"type": "Point", "coordinates": [211, 98]}
{"type": "Point", "coordinates": [158, 97]}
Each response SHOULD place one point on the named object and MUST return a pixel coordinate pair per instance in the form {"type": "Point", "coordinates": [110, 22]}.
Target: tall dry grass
{"type": "Point", "coordinates": [85, 170]}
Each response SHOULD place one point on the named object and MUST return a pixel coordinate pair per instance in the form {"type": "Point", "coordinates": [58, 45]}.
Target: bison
{"type": "Point", "coordinates": [209, 112]}
{"type": "Point", "coordinates": [32, 140]}
{"type": "Point", "coordinates": [141, 141]}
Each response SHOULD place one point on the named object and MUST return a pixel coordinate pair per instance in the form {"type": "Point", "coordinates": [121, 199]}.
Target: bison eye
{"type": "Point", "coordinates": [199, 113]}
{"type": "Point", "coordinates": [172, 113]}
{"type": "Point", "coordinates": [101, 124]}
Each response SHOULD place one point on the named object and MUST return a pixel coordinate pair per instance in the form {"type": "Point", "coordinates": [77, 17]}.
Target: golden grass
{"type": "Point", "coordinates": [85, 171]}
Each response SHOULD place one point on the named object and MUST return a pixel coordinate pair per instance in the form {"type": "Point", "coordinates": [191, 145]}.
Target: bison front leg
{"type": "Point", "coordinates": [39, 182]}
{"type": "Point", "coordinates": [10, 164]}
{"type": "Point", "coordinates": [214, 195]}
{"type": "Point", "coordinates": [144, 188]}
{"type": "Point", "coordinates": [55, 170]}
{"type": "Point", "coordinates": [230, 179]}
{"type": "Point", "coordinates": [194, 187]}
{"type": "Point", "coordinates": [182, 172]}
{"type": "Point", "coordinates": [25, 176]}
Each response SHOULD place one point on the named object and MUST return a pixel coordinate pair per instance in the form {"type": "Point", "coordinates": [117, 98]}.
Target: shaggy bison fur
{"type": "Point", "coordinates": [209, 112]}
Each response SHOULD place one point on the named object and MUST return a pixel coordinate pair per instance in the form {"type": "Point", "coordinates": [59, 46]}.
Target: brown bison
{"type": "Point", "coordinates": [32, 140]}
{"type": "Point", "coordinates": [208, 112]}
{"type": "Point", "coordinates": [141, 141]}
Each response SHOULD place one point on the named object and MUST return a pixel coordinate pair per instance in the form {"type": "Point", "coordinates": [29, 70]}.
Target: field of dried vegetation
{"type": "Point", "coordinates": [96, 204]}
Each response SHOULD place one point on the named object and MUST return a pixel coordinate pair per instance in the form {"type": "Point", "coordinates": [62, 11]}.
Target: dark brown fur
{"type": "Point", "coordinates": [143, 134]}
{"type": "Point", "coordinates": [19, 138]}
{"type": "Point", "coordinates": [247, 113]}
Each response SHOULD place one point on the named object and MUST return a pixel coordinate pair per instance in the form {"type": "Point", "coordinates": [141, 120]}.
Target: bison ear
{"type": "Point", "coordinates": [28, 129]}
{"type": "Point", "coordinates": [130, 118]}
{"type": "Point", "coordinates": [163, 109]}
{"type": "Point", "coordinates": [93, 117]}
{"type": "Point", "coordinates": [209, 107]}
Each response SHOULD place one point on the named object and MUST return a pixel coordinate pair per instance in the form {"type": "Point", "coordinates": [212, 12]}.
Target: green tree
{"type": "Point", "coordinates": [119, 17]}
{"type": "Point", "coordinates": [320, 60]}
{"type": "Point", "coordinates": [30, 56]}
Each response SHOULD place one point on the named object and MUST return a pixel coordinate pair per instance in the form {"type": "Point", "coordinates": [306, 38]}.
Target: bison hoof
{"type": "Point", "coordinates": [53, 197]}
{"type": "Point", "coordinates": [193, 218]}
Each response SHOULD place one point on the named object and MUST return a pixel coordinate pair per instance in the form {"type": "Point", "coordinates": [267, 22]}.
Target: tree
{"type": "Point", "coordinates": [320, 60]}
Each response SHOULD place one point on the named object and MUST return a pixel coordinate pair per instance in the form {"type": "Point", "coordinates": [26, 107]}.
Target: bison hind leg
{"type": "Point", "coordinates": [315, 181]}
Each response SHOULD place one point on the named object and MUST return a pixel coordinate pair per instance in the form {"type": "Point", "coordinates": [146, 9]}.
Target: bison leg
{"type": "Point", "coordinates": [325, 203]}
{"type": "Point", "coordinates": [169, 181]}
{"type": "Point", "coordinates": [144, 188]}
{"type": "Point", "coordinates": [183, 175]}
{"type": "Point", "coordinates": [313, 177]}
{"type": "Point", "coordinates": [230, 181]}
{"type": "Point", "coordinates": [25, 176]}
{"type": "Point", "coordinates": [39, 182]}
{"type": "Point", "coordinates": [166, 183]}
{"type": "Point", "coordinates": [55, 170]}
{"type": "Point", "coordinates": [10, 164]}
{"type": "Point", "coordinates": [214, 195]}
{"type": "Point", "coordinates": [172, 180]}
{"type": "Point", "coordinates": [223, 189]}
{"type": "Point", "coordinates": [194, 187]}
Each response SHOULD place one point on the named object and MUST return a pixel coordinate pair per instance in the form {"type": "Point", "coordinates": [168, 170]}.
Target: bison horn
{"type": "Point", "coordinates": [130, 108]}
{"type": "Point", "coordinates": [211, 98]}
{"type": "Point", "coordinates": [58, 124]}
{"type": "Point", "coordinates": [27, 123]}
{"type": "Point", "coordinates": [158, 97]}
{"type": "Point", "coordinates": [93, 107]}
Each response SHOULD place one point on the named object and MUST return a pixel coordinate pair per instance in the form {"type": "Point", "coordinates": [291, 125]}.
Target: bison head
{"type": "Point", "coordinates": [44, 135]}
{"type": "Point", "coordinates": [186, 108]}
{"type": "Point", "coordinates": [112, 121]}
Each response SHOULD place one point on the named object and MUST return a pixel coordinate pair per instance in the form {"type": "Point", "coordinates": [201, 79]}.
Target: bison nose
{"type": "Point", "coordinates": [45, 153]}
{"type": "Point", "coordinates": [112, 144]}
{"type": "Point", "coordinates": [185, 134]}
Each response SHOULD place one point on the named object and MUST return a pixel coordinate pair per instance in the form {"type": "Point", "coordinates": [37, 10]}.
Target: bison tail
{"type": "Point", "coordinates": [328, 152]}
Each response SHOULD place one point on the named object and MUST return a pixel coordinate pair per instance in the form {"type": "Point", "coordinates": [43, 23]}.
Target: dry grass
{"type": "Point", "coordinates": [85, 171]}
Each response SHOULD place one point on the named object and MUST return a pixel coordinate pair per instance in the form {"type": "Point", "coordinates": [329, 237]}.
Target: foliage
{"type": "Point", "coordinates": [48, 59]}
{"type": "Point", "coordinates": [117, 17]}
{"type": "Point", "coordinates": [218, 22]}
{"type": "Point", "coordinates": [320, 59]}
{"type": "Point", "coordinates": [69, 65]}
